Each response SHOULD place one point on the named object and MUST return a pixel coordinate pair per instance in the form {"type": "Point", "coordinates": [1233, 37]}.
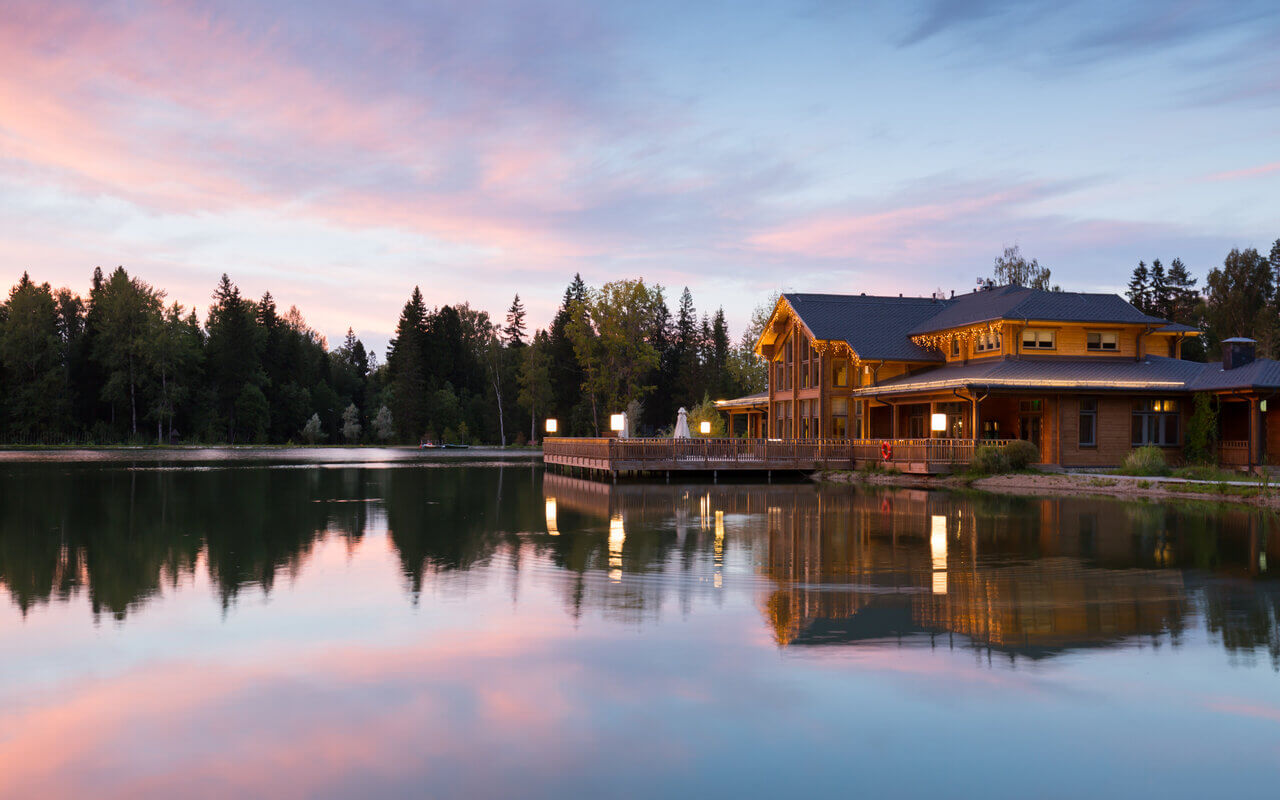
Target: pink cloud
{"type": "Point", "coordinates": [1243, 174]}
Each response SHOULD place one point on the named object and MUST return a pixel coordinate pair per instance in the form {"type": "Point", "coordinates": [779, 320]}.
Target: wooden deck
{"type": "Point", "coordinates": [918, 456]}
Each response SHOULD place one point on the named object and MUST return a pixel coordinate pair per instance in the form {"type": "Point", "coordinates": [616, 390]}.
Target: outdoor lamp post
{"type": "Point", "coordinates": [552, 425]}
{"type": "Point", "coordinates": [938, 423]}
{"type": "Point", "coordinates": [705, 428]}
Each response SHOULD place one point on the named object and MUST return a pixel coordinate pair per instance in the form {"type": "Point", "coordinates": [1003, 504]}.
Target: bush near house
{"type": "Point", "coordinates": [1145, 461]}
{"type": "Point", "coordinates": [1021, 454]}
{"type": "Point", "coordinates": [989, 460]}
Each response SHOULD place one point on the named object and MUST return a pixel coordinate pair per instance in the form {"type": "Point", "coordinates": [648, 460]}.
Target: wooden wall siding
{"type": "Point", "coordinates": [1114, 433]}
{"type": "Point", "coordinates": [1271, 426]}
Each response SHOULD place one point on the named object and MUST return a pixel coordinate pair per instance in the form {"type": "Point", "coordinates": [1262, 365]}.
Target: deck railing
{"type": "Point", "coordinates": [642, 453]}
{"type": "Point", "coordinates": [1232, 453]}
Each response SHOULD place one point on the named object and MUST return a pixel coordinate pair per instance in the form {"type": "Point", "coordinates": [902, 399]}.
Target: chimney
{"type": "Point", "coordinates": [953, 294]}
{"type": "Point", "coordinates": [1237, 352]}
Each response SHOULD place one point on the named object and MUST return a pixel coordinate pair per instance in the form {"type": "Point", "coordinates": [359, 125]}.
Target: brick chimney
{"type": "Point", "coordinates": [1237, 352]}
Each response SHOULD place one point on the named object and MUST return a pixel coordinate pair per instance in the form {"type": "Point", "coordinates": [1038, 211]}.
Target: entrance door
{"type": "Point", "coordinates": [1029, 428]}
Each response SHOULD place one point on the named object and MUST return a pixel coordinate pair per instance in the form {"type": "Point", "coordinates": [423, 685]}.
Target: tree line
{"type": "Point", "coordinates": [1240, 298]}
{"type": "Point", "coordinates": [124, 364]}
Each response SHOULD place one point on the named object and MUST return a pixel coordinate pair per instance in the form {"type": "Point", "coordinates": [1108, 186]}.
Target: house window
{"type": "Point", "coordinates": [857, 419]}
{"type": "Point", "coordinates": [840, 373]}
{"type": "Point", "coordinates": [1156, 422]}
{"type": "Point", "coordinates": [987, 342]}
{"type": "Point", "coordinates": [955, 413]}
{"type": "Point", "coordinates": [955, 347]}
{"type": "Point", "coordinates": [1088, 423]}
{"type": "Point", "coordinates": [1102, 341]}
{"type": "Point", "coordinates": [839, 417]}
{"type": "Point", "coordinates": [916, 423]}
{"type": "Point", "coordinates": [1037, 339]}
{"type": "Point", "coordinates": [1030, 406]}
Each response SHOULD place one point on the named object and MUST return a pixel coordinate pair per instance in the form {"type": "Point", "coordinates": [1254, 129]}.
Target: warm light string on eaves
{"type": "Point", "coordinates": [940, 340]}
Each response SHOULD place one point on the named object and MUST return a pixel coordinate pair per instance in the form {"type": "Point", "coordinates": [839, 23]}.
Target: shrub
{"type": "Point", "coordinates": [989, 460]}
{"type": "Point", "coordinates": [1145, 461]}
{"type": "Point", "coordinates": [1021, 454]}
{"type": "Point", "coordinates": [1202, 431]}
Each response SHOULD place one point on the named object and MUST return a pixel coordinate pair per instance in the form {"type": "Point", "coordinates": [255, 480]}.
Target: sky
{"type": "Point", "coordinates": [338, 154]}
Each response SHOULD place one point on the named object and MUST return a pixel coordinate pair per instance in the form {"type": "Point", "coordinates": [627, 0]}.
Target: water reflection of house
{"type": "Point", "coordinates": [895, 565]}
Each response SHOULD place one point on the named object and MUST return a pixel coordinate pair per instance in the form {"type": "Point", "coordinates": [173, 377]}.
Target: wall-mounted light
{"type": "Point", "coordinates": [938, 423]}
{"type": "Point", "coordinates": [615, 422]}
{"type": "Point", "coordinates": [705, 427]}
{"type": "Point", "coordinates": [552, 425]}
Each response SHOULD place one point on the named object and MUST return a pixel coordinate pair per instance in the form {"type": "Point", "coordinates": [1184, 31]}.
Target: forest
{"type": "Point", "coordinates": [123, 365]}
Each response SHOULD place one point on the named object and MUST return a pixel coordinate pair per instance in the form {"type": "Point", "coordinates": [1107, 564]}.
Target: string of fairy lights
{"type": "Point", "coordinates": [941, 340]}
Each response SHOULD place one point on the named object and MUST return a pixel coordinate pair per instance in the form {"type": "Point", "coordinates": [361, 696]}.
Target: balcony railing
{"type": "Point", "coordinates": [758, 453]}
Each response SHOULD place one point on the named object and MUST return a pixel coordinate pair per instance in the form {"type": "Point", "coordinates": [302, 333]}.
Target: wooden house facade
{"type": "Point", "coordinates": [1085, 377]}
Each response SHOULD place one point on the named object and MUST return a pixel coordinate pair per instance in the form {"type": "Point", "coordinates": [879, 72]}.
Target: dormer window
{"type": "Point", "coordinates": [987, 342]}
{"type": "Point", "coordinates": [955, 347]}
{"type": "Point", "coordinates": [1103, 341]}
{"type": "Point", "coordinates": [1037, 339]}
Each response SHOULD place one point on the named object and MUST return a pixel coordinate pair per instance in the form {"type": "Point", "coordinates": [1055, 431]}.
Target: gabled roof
{"type": "Point", "coordinates": [877, 328]}
{"type": "Point", "coordinates": [1017, 302]}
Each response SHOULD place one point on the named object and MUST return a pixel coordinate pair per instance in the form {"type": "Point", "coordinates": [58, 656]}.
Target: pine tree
{"type": "Point", "coordinates": [406, 367]}
{"type": "Point", "coordinates": [1139, 293]}
{"type": "Point", "coordinates": [1158, 297]}
{"type": "Point", "coordinates": [513, 333]}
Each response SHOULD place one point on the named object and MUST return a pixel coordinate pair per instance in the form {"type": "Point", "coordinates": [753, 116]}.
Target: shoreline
{"type": "Point", "coordinates": [1120, 487]}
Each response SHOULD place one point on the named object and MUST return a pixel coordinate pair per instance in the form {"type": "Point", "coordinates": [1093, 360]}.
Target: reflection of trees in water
{"type": "Point", "coordinates": [1031, 576]}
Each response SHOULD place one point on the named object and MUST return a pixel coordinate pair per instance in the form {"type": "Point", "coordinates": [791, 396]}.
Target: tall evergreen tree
{"type": "Point", "coordinates": [1139, 292]}
{"type": "Point", "coordinates": [31, 355]}
{"type": "Point", "coordinates": [513, 332]}
{"type": "Point", "coordinates": [1159, 298]}
{"type": "Point", "coordinates": [128, 320]}
{"type": "Point", "coordinates": [233, 353]}
{"type": "Point", "coordinates": [406, 368]}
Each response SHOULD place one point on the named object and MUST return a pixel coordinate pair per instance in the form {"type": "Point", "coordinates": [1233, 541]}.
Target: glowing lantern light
{"type": "Point", "coordinates": [615, 422]}
{"type": "Point", "coordinates": [553, 426]}
{"type": "Point", "coordinates": [705, 427]}
{"type": "Point", "coordinates": [938, 423]}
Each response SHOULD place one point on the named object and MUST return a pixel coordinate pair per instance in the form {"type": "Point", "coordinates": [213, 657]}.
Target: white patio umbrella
{"type": "Point", "coordinates": [682, 425]}
{"type": "Point", "coordinates": [626, 426]}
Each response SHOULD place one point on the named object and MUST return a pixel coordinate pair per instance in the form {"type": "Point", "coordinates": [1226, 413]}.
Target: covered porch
{"type": "Point", "coordinates": [980, 417]}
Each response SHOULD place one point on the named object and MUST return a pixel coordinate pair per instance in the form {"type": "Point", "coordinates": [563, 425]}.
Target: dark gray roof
{"type": "Point", "coordinates": [1177, 327]}
{"type": "Point", "coordinates": [875, 327]}
{"type": "Point", "coordinates": [1261, 374]}
{"type": "Point", "coordinates": [1154, 374]}
{"type": "Point", "coordinates": [1017, 302]}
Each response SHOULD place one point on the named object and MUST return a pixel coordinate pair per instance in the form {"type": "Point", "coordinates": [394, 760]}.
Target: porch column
{"type": "Point", "coordinates": [977, 416]}
{"type": "Point", "coordinates": [893, 424]}
{"type": "Point", "coordinates": [1255, 432]}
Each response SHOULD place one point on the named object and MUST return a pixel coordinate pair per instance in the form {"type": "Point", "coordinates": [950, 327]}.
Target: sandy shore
{"type": "Point", "coordinates": [1123, 487]}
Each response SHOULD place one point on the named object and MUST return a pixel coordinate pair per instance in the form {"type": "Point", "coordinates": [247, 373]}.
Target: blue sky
{"type": "Point", "coordinates": [340, 153]}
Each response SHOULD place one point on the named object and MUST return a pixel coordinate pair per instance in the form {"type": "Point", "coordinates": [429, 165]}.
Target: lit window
{"type": "Point", "coordinates": [1156, 422]}
{"type": "Point", "coordinates": [1033, 339]}
{"type": "Point", "coordinates": [1103, 341]}
{"type": "Point", "coordinates": [955, 347]}
{"type": "Point", "coordinates": [840, 373]}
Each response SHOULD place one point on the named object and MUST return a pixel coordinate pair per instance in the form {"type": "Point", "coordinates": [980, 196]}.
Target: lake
{"type": "Point", "coordinates": [364, 625]}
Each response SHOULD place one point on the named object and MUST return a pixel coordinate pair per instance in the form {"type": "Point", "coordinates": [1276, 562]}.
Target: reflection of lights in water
{"type": "Point", "coordinates": [1262, 562]}
{"type": "Point", "coordinates": [551, 517]}
{"type": "Point", "coordinates": [938, 552]}
{"type": "Point", "coordinates": [704, 507]}
{"type": "Point", "coordinates": [719, 581]}
{"type": "Point", "coordinates": [617, 535]}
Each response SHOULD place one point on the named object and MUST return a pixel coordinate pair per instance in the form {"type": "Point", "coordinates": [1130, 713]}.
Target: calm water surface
{"type": "Point", "coordinates": [369, 628]}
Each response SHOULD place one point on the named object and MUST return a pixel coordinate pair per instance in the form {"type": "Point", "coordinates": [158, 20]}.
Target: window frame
{"type": "Point", "coordinates": [1088, 407]}
{"type": "Point", "coordinates": [1151, 421]}
{"type": "Point", "coordinates": [1036, 342]}
{"type": "Point", "coordinates": [1101, 348]}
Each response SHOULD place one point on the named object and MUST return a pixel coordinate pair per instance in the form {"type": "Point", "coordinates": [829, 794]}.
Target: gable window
{"type": "Point", "coordinates": [840, 373]}
{"type": "Point", "coordinates": [1037, 339]}
{"type": "Point", "coordinates": [1156, 422]}
{"type": "Point", "coordinates": [1097, 340]}
{"type": "Point", "coordinates": [987, 342]}
{"type": "Point", "coordinates": [1088, 423]}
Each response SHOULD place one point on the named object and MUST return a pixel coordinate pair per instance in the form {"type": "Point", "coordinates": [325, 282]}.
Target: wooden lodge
{"type": "Point", "coordinates": [921, 382]}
